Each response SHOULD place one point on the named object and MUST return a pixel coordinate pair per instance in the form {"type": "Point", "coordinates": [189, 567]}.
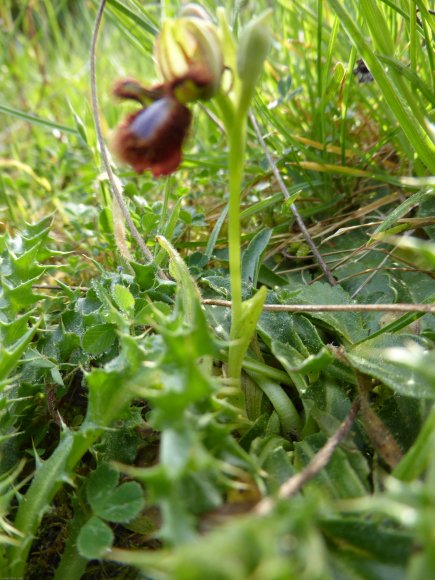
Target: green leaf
{"type": "Point", "coordinates": [19, 296]}
{"type": "Point", "coordinates": [99, 338]}
{"type": "Point", "coordinates": [25, 266]}
{"type": "Point", "coordinates": [95, 539]}
{"type": "Point", "coordinates": [11, 332]}
{"type": "Point", "coordinates": [189, 291]}
{"type": "Point", "coordinates": [123, 298]}
{"type": "Point", "coordinates": [116, 504]}
{"type": "Point", "coordinates": [36, 120]}
{"type": "Point", "coordinates": [145, 274]}
{"type": "Point", "coordinates": [380, 541]}
{"type": "Point", "coordinates": [101, 483]}
{"type": "Point", "coordinates": [243, 331]}
{"type": "Point", "coordinates": [339, 479]}
{"type": "Point", "coordinates": [10, 356]}
{"type": "Point", "coordinates": [252, 256]}
{"type": "Point", "coordinates": [347, 324]}
{"type": "Point", "coordinates": [283, 405]}
{"type": "Point", "coordinates": [122, 504]}
{"type": "Point", "coordinates": [373, 358]}
{"type": "Point", "coordinates": [402, 209]}
{"type": "Point", "coordinates": [215, 233]}
{"type": "Point", "coordinates": [293, 362]}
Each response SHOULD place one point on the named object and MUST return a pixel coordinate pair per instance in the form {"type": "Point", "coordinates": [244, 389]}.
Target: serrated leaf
{"type": "Point", "coordinates": [11, 332]}
{"type": "Point", "coordinates": [95, 539]}
{"type": "Point", "coordinates": [25, 265]}
{"type": "Point", "coordinates": [99, 338]}
{"type": "Point", "coordinates": [189, 292]}
{"type": "Point", "coordinates": [123, 298]}
{"type": "Point", "coordinates": [21, 295]}
{"type": "Point", "coordinates": [10, 356]}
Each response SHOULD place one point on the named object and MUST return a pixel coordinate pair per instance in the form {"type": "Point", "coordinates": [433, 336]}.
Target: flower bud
{"type": "Point", "coordinates": [254, 45]}
{"type": "Point", "coordinates": [189, 55]}
{"type": "Point", "coordinates": [152, 138]}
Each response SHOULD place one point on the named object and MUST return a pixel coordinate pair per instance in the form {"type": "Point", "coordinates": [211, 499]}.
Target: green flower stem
{"type": "Point", "coordinates": [237, 143]}
{"type": "Point", "coordinates": [235, 122]}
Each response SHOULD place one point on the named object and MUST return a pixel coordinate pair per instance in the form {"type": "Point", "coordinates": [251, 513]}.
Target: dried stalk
{"type": "Point", "coordinates": [117, 194]}
{"type": "Point", "coordinates": [429, 308]}
{"type": "Point", "coordinates": [293, 207]}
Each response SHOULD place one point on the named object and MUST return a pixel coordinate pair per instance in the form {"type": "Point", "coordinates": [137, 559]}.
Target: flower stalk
{"type": "Point", "coordinates": [254, 45]}
{"type": "Point", "coordinates": [192, 54]}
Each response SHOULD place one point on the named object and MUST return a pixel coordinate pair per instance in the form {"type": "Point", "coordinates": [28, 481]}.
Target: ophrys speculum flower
{"type": "Point", "coordinates": [189, 56]}
{"type": "Point", "coordinates": [152, 138]}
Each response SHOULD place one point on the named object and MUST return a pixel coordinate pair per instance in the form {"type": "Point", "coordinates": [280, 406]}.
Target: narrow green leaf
{"type": "Point", "coordinates": [283, 405]}
{"type": "Point", "coordinates": [34, 120]}
{"type": "Point", "coordinates": [252, 256]}
{"type": "Point", "coordinates": [403, 209]}
{"type": "Point", "coordinates": [243, 331]}
{"type": "Point", "coordinates": [189, 291]}
{"type": "Point", "coordinates": [215, 233]}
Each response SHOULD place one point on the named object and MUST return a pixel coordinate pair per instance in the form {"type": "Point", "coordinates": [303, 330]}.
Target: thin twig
{"type": "Point", "coordinates": [293, 207]}
{"type": "Point", "coordinates": [319, 461]}
{"type": "Point", "coordinates": [370, 277]}
{"type": "Point", "coordinates": [426, 308]}
{"type": "Point", "coordinates": [333, 307]}
{"type": "Point", "coordinates": [53, 287]}
{"type": "Point", "coordinates": [104, 155]}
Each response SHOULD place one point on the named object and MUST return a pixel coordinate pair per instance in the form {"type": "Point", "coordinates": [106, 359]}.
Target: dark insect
{"type": "Point", "coordinates": [362, 72]}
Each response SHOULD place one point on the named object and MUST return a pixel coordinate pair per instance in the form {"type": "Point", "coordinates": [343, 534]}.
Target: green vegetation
{"type": "Point", "coordinates": [149, 431]}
